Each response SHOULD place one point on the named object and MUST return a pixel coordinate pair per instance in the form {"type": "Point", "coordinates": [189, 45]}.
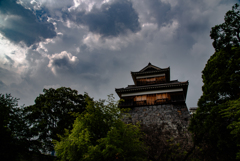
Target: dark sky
{"type": "Point", "coordinates": [92, 45]}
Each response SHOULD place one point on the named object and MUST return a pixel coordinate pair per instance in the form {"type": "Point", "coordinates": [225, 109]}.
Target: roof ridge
{"type": "Point", "coordinates": [149, 65]}
{"type": "Point", "coordinates": [154, 85]}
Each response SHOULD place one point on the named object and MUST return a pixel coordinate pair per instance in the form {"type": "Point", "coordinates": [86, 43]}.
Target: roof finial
{"type": "Point", "coordinates": [149, 63]}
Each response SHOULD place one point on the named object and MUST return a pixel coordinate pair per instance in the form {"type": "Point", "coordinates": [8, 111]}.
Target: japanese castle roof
{"type": "Point", "coordinates": [151, 69]}
{"type": "Point", "coordinates": [171, 84]}
{"type": "Point", "coordinates": [155, 87]}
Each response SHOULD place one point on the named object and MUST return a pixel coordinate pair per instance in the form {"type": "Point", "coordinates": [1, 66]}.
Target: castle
{"type": "Point", "coordinates": [154, 99]}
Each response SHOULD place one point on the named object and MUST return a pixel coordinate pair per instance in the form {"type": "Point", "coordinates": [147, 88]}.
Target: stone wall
{"type": "Point", "coordinates": [169, 117]}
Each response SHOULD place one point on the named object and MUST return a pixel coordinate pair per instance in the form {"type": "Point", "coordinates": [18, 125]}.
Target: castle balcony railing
{"type": "Point", "coordinates": [132, 103]}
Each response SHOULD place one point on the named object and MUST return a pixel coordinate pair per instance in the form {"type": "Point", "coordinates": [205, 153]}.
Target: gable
{"type": "Point", "coordinates": [150, 67]}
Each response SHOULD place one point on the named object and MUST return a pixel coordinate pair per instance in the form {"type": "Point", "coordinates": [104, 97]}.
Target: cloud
{"type": "Point", "coordinates": [19, 24]}
{"type": "Point", "coordinates": [159, 12]}
{"type": "Point", "coordinates": [111, 19]}
{"type": "Point", "coordinates": [62, 61]}
{"type": "Point", "coordinates": [98, 43]}
{"type": "Point", "coordinates": [11, 62]}
{"type": "Point", "coordinates": [8, 77]}
{"type": "Point", "coordinates": [2, 86]}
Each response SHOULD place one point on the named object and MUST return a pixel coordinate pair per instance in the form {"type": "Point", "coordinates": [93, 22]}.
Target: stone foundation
{"type": "Point", "coordinates": [169, 117]}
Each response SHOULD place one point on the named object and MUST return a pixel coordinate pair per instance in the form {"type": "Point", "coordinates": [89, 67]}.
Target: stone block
{"type": "Point", "coordinates": [167, 115]}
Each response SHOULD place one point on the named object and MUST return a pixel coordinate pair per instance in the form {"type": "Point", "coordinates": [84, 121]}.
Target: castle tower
{"type": "Point", "coordinates": [154, 99]}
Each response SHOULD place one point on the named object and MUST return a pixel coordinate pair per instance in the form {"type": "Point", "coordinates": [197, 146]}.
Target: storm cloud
{"type": "Point", "coordinates": [21, 24]}
{"type": "Point", "coordinates": [92, 45]}
{"type": "Point", "coordinates": [111, 19]}
{"type": "Point", "coordinates": [62, 61]}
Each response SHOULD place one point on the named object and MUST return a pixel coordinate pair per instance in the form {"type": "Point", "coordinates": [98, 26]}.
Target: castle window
{"type": "Point", "coordinates": [151, 99]}
{"type": "Point", "coordinates": [163, 96]}
{"type": "Point", "coordinates": [140, 98]}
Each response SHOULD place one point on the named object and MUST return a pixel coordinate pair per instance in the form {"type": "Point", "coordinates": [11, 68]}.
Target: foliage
{"type": "Point", "coordinates": [221, 83]}
{"type": "Point", "coordinates": [210, 133]}
{"type": "Point", "coordinates": [221, 77]}
{"type": "Point", "coordinates": [99, 134]}
{"type": "Point", "coordinates": [13, 130]}
{"type": "Point", "coordinates": [226, 34]}
{"type": "Point", "coordinates": [221, 80]}
{"type": "Point", "coordinates": [51, 114]}
{"type": "Point", "coordinates": [233, 112]}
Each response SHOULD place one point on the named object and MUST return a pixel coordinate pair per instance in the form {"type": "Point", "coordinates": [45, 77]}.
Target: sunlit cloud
{"type": "Point", "coordinates": [61, 61]}
{"type": "Point", "coordinates": [92, 45]}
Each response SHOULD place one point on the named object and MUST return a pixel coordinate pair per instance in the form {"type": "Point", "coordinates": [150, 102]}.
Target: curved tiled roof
{"type": "Point", "coordinates": [151, 69]}
{"type": "Point", "coordinates": [150, 72]}
{"type": "Point", "coordinates": [151, 87]}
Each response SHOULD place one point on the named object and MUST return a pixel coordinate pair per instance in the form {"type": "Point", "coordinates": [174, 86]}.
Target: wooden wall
{"type": "Point", "coordinates": [149, 80]}
{"type": "Point", "coordinates": [151, 98]}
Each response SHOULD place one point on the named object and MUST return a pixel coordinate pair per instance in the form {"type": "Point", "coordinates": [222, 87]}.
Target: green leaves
{"type": "Point", "coordinates": [226, 35]}
{"type": "Point", "coordinates": [233, 113]}
{"type": "Point", "coordinates": [221, 78]}
{"type": "Point", "coordinates": [99, 134]}
{"type": "Point", "coordinates": [52, 113]}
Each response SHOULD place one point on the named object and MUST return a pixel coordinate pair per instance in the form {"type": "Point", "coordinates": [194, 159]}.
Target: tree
{"type": "Point", "coordinates": [226, 34]}
{"type": "Point", "coordinates": [221, 80]}
{"type": "Point", "coordinates": [99, 134]}
{"type": "Point", "coordinates": [221, 77]}
{"type": "Point", "coordinates": [221, 84]}
{"type": "Point", "coordinates": [51, 114]}
{"type": "Point", "coordinates": [13, 130]}
{"type": "Point", "coordinates": [233, 112]}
